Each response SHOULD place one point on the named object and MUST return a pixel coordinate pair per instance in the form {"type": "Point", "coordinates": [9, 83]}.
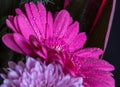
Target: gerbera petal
{"type": "Point", "coordinates": [39, 49]}
{"type": "Point", "coordinates": [31, 20]}
{"type": "Point", "coordinates": [72, 31]}
{"type": "Point", "coordinates": [19, 11]}
{"type": "Point", "coordinates": [100, 75]}
{"type": "Point", "coordinates": [23, 44]}
{"type": "Point", "coordinates": [16, 24]}
{"type": "Point", "coordinates": [25, 27]}
{"type": "Point", "coordinates": [42, 52]}
{"type": "Point", "coordinates": [93, 63]}
{"type": "Point", "coordinates": [37, 19]}
{"type": "Point", "coordinates": [10, 17]}
{"type": "Point", "coordinates": [43, 14]}
{"type": "Point", "coordinates": [93, 82]}
{"type": "Point", "coordinates": [10, 25]}
{"type": "Point", "coordinates": [61, 24]}
{"type": "Point", "coordinates": [9, 42]}
{"type": "Point", "coordinates": [78, 42]}
{"type": "Point", "coordinates": [49, 30]}
{"type": "Point", "coordinates": [34, 42]}
{"type": "Point", "coordinates": [89, 53]}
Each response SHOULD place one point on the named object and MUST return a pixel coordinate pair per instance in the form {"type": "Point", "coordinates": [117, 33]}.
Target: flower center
{"type": "Point", "coordinates": [56, 44]}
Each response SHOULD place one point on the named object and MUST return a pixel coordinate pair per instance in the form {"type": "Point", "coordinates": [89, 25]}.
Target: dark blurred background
{"type": "Point", "coordinates": [112, 53]}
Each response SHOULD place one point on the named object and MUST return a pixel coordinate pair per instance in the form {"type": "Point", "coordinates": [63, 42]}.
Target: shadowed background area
{"type": "Point", "coordinates": [113, 47]}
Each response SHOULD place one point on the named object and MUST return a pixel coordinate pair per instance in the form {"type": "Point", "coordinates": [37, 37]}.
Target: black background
{"type": "Point", "coordinates": [112, 53]}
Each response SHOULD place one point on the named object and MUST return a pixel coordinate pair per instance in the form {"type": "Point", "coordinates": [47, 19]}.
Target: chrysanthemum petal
{"type": "Point", "coordinates": [38, 74]}
{"type": "Point", "coordinates": [30, 63]}
{"type": "Point", "coordinates": [12, 65]}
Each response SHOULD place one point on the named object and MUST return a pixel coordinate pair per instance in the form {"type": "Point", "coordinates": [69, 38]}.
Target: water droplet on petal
{"type": "Point", "coordinates": [34, 18]}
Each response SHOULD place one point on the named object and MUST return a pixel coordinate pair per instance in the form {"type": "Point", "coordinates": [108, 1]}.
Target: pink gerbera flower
{"type": "Point", "coordinates": [37, 74]}
{"type": "Point", "coordinates": [36, 28]}
{"type": "Point", "coordinates": [94, 71]}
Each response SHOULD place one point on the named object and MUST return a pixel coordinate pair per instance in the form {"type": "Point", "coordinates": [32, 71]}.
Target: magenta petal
{"type": "Point", "coordinates": [89, 53]}
{"type": "Point", "coordinates": [96, 72]}
{"type": "Point", "coordinates": [34, 42]}
{"type": "Point", "coordinates": [10, 17]}
{"type": "Point", "coordinates": [9, 42]}
{"type": "Point", "coordinates": [93, 82]}
{"type": "Point", "coordinates": [39, 49]}
{"type": "Point", "coordinates": [103, 76]}
{"type": "Point", "coordinates": [42, 13]}
{"type": "Point", "coordinates": [23, 44]}
{"type": "Point", "coordinates": [18, 11]}
{"type": "Point", "coordinates": [41, 54]}
{"type": "Point", "coordinates": [78, 42]}
{"type": "Point", "coordinates": [49, 30]}
{"type": "Point", "coordinates": [31, 19]}
{"type": "Point", "coordinates": [25, 27]}
{"type": "Point", "coordinates": [16, 24]}
{"type": "Point", "coordinates": [61, 23]}
{"type": "Point", "coordinates": [92, 63]}
{"type": "Point", "coordinates": [71, 32]}
{"type": "Point", "coordinates": [37, 19]}
{"type": "Point", "coordinates": [10, 25]}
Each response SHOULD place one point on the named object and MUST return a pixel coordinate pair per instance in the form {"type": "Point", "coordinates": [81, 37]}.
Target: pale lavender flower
{"type": "Point", "coordinates": [37, 74]}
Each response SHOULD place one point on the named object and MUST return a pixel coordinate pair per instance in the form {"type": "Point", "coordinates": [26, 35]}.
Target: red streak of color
{"type": "Point", "coordinates": [98, 14]}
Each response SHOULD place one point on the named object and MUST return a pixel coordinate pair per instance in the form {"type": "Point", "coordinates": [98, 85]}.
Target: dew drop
{"type": "Point", "coordinates": [34, 18]}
